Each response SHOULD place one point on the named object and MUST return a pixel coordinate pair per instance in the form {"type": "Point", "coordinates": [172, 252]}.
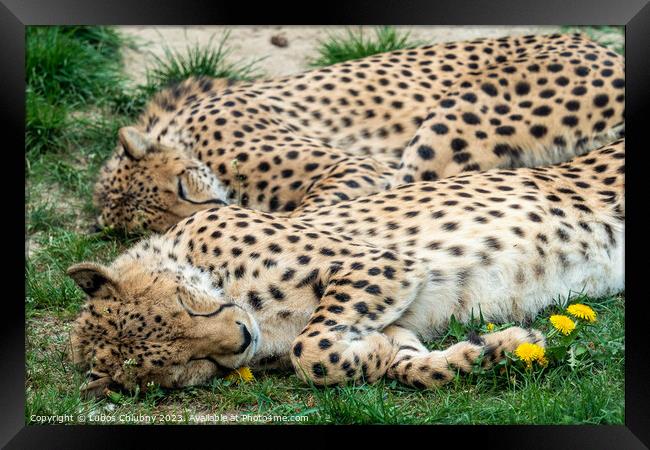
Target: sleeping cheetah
{"type": "Point", "coordinates": [506, 102]}
{"type": "Point", "coordinates": [348, 291]}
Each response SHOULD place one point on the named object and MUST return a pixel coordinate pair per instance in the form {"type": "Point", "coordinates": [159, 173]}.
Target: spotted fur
{"type": "Point", "coordinates": [346, 292]}
{"type": "Point", "coordinates": [537, 109]}
{"type": "Point", "coordinates": [288, 145]}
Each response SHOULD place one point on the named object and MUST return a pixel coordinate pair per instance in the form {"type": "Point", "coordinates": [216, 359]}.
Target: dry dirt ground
{"type": "Point", "coordinates": [254, 42]}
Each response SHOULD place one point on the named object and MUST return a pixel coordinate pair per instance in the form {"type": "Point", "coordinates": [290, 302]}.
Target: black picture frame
{"type": "Point", "coordinates": [633, 14]}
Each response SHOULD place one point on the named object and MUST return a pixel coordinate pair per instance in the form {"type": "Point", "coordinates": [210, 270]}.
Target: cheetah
{"type": "Point", "coordinates": [290, 145]}
{"type": "Point", "coordinates": [348, 292]}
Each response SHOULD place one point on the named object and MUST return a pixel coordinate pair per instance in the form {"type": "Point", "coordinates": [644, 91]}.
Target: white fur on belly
{"type": "Point", "coordinates": [494, 291]}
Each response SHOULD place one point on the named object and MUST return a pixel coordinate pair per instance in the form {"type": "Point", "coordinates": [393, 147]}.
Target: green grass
{"type": "Point", "coordinates": [198, 60]}
{"type": "Point", "coordinates": [211, 60]}
{"type": "Point", "coordinates": [45, 123]}
{"type": "Point", "coordinates": [73, 65]}
{"type": "Point", "coordinates": [44, 216]}
{"type": "Point", "coordinates": [354, 44]}
{"type": "Point", "coordinates": [48, 287]}
{"type": "Point", "coordinates": [74, 110]}
{"type": "Point", "coordinates": [591, 390]}
{"type": "Point", "coordinates": [69, 70]}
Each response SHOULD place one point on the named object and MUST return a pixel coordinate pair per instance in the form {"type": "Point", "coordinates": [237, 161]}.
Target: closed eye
{"type": "Point", "coordinates": [210, 314]}
{"type": "Point", "coordinates": [183, 196]}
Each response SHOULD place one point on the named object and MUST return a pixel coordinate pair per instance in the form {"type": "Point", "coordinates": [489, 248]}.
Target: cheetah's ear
{"type": "Point", "coordinates": [94, 279]}
{"type": "Point", "coordinates": [135, 142]}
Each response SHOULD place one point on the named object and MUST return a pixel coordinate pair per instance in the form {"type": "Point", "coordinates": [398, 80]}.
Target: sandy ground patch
{"type": "Point", "coordinates": [254, 42]}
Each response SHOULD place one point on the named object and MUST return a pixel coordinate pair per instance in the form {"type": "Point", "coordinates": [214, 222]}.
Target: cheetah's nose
{"type": "Point", "coordinates": [247, 339]}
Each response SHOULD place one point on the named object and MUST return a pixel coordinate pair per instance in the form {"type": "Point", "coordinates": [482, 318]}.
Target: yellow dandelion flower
{"type": "Point", "coordinates": [528, 353]}
{"type": "Point", "coordinates": [490, 326]}
{"type": "Point", "coordinates": [582, 312]}
{"type": "Point", "coordinates": [563, 324]}
{"type": "Point", "coordinates": [243, 374]}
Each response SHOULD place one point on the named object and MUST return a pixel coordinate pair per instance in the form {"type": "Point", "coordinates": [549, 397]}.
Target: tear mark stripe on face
{"type": "Point", "coordinates": [212, 314]}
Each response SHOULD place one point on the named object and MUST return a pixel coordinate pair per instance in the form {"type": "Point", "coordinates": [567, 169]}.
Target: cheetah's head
{"type": "Point", "coordinates": [148, 185]}
{"type": "Point", "coordinates": [169, 326]}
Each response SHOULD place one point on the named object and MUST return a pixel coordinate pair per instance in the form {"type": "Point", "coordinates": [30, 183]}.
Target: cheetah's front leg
{"type": "Point", "coordinates": [343, 341]}
{"type": "Point", "coordinates": [416, 366]}
{"type": "Point", "coordinates": [331, 357]}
